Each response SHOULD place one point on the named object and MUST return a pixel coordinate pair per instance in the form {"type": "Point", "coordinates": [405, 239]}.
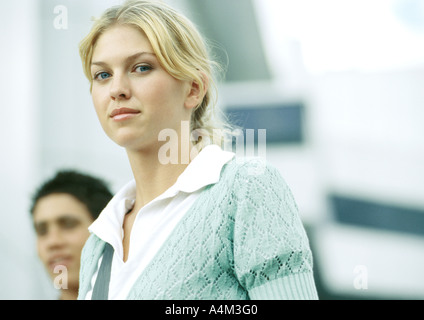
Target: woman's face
{"type": "Point", "coordinates": [134, 97]}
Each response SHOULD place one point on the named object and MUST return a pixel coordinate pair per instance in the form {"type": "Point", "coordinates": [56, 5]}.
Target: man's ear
{"type": "Point", "coordinates": [197, 92]}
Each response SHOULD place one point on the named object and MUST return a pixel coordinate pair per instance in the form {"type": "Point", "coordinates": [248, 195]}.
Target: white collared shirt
{"type": "Point", "coordinates": [155, 221]}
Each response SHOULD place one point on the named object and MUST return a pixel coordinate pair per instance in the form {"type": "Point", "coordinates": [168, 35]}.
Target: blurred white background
{"type": "Point", "coordinates": [356, 65]}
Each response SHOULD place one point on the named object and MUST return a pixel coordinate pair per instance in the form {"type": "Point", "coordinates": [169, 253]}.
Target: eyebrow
{"type": "Point", "coordinates": [128, 59]}
{"type": "Point", "coordinates": [60, 219]}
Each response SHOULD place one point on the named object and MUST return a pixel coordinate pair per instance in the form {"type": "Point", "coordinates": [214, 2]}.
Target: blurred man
{"type": "Point", "coordinates": [62, 210]}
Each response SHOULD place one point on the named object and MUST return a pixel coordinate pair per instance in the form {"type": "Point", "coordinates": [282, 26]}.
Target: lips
{"type": "Point", "coordinates": [59, 261]}
{"type": "Point", "coordinates": [123, 113]}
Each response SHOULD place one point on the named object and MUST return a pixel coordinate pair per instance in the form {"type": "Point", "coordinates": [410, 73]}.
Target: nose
{"type": "Point", "coordinates": [55, 238]}
{"type": "Point", "coordinates": [120, 88]}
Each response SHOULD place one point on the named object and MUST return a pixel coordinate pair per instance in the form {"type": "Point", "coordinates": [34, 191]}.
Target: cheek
{"type": "Point", "coordinates": [41, 249]}
{"type": "Point", "coordinates": [99, 96]}
{"type": "Point", "coordinates": [166, 95]}
{"type": "Point", "coordinates": [100, 103]}
{"type": "Point", "coordinates": [78, 237]}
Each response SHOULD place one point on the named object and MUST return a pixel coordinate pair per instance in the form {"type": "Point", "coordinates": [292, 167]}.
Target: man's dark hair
{"type": "Point", "coordinates": [91, 191]}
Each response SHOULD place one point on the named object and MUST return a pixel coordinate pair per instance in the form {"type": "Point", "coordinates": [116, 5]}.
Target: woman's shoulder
{"type": "Point", "coordinates": [255, 174]}
{"type": "Point", "coordinates": [251, 168]}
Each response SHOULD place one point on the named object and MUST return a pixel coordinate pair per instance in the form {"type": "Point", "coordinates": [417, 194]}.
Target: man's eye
{"type": "Point", "coordinates": [41, 229]}
{"type": "Point", "coordinates": [68, 223]}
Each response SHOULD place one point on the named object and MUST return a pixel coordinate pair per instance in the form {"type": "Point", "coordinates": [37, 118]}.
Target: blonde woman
{"type": "Point", "coordinates": [206, 226]}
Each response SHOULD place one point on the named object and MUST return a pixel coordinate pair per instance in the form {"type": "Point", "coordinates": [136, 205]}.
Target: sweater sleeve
{"type": "Point", "coordinates": [272, 257]}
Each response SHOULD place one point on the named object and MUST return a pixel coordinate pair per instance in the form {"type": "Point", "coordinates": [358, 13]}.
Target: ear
{"type": "Point", "coordinates": [197, 93]}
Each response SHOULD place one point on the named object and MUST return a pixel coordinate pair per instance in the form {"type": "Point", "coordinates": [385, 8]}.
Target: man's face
{"type": "Point", "coordinates": [61, 223]}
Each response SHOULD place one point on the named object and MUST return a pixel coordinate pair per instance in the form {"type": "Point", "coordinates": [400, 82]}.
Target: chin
{"type": "Point", "coordinates": [130, 140]}
{"type": "Point", "coordinates": [122, 139]}
{"type": "Point", "coordinates": [128, 143]}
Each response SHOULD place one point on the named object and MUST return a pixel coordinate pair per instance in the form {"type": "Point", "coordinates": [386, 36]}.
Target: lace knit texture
{"type": "Point", "coordinates": [242, 239]}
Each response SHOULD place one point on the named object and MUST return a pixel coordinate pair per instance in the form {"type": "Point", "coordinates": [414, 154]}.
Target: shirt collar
{"type": "Point", "coordinates": [112, 216]}
{"type": "Point", "coordinates": [205, 169]}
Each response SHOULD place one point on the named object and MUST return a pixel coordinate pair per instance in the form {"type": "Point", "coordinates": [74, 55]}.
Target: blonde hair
{"type": "Point", "coordinates": [179, 48]}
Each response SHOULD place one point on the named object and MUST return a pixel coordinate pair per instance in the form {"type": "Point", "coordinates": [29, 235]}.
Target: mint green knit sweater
{"type": "Point", "coordinates": [242, 239]}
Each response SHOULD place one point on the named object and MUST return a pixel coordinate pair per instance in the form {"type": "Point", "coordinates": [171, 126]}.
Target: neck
{"type": "Point", "coordinates": [151, 176]}
{"type": "Point", "coordinates": [69, 294]}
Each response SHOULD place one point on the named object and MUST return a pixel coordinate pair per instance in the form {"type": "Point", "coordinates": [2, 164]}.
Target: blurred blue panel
{"type": "Point", "coordinates": [283, 122]}
{"type": "Point", "coordinates": [378, 215]}
{"type": "Point", "coordinates": [233, 30]}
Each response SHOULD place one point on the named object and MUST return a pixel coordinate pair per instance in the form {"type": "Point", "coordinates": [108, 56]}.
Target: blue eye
{"type": "Point", "coordinates": [102, 76]}
{"type": "Point", "coordinates": [143, 68]}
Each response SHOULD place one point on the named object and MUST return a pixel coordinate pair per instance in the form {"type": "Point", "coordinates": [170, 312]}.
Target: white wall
{"type": "Point", "coordinates": [19, 140]}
